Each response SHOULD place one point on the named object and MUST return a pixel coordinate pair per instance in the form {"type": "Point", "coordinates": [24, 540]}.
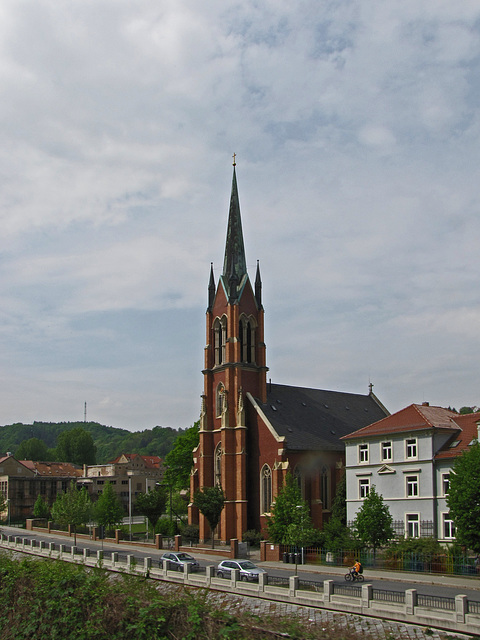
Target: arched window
{"type": "Point", "coordinates": [218, 465]}
{"type": "Point", "coordinates": [220, 339]}
{"type": "Point", "coordinates": [246, 332]}
{"type": "Point", "coordinates": [299, 479]}
{"type": "Point", "coordinates": [219, 400]}
{"type": "Point", "coordinates": [265, 489]}
{"type": "Point", "coordinates": [325, 487]}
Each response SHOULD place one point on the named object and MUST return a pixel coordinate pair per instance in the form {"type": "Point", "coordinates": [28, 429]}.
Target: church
{"type": "Point", "coordinates": [253, 432]}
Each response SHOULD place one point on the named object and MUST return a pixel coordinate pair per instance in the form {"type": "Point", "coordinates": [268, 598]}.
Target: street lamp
{"type": "Point", "coordinates": [299, 506]}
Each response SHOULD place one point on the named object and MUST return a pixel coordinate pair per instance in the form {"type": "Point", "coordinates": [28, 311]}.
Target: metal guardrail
{"type": "Point", "coordinates": [436, 602]}
{"type": "Point", "coordinates": [310, 585]}
{"type": "Point", "coordinates": [277, 581]}
{"type": "Point", "coordinates": [389, 596]}
{"type": "Point", "coordinates": [347, 590]}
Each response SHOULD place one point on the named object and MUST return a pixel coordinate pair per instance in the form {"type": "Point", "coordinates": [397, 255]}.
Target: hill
{"type": "Point", "coordinates": [109, 441]}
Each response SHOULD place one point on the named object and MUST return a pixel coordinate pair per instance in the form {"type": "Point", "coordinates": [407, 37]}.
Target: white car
{"type": "Point", "coordinates": [248, 570]}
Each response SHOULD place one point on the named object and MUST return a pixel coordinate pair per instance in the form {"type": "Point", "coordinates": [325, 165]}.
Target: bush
{"type": "Point", "coordinates": [425, 546]}
{"type": "Point", "coordinates": [166, 527]}
{"type": "Point", "coordinates": [252, 537]}
{"type": "Point", "coordinates": [191, 533]}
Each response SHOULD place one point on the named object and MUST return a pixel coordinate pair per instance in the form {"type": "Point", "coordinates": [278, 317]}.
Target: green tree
{"type": "Point", "coordinates": [72, 508]}
{"type": "Point", "coordinates": [152, 504]}
{"type": "Point", "coordinates": [76, 446]}
{"type": "Point", "coordinates": [32, 449]}
{"type": "Point", "coordinates": [288, 509]}
{"type": "Point", "coordinates": [41, 508]}
{"type": "Point", "coordinates": [301, 532]}
{"type": "Point", "coordinates": [178, 463]}
{"type": "Point", "coordinates": [464, 497]}
{"type": "Point", "coordinates": [373, 523]}
{"type": "Point", "coordinates": [337, 536]}
{"type": "Point", "coordinates": [210, 501]}
{"type": "Point", "coordinates": [108, 511]}
{"type": "Point", "coordinates": [339, 505]}
{"type": "Point", "coordinates": [3, 503]}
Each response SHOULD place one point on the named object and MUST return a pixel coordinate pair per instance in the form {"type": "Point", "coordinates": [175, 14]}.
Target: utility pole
{"type": "Point", "coordinates": [85, 413]}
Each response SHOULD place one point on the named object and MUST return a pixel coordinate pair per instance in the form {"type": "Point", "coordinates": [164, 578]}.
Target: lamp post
{"type": "Point", "coordinates": [8, 508]}
{"type": "Point", "coordinates": [130, 505]}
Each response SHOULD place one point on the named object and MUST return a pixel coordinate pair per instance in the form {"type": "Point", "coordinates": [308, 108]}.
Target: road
{"type": "Point", "coordinates": [427, 584]}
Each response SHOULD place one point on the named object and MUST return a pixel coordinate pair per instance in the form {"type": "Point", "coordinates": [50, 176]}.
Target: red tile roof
{"type": "Point", "coordinates": [60, 469]}
{"type": "Point", "coordinates": [152, 462]}
{"type": "Point", "coordinates": [468, 425]}
{"type": "Point", "coordinates": [413, 418]}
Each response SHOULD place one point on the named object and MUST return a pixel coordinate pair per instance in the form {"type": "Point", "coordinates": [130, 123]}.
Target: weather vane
{"type": "Point", "coordinates": [234, 156]}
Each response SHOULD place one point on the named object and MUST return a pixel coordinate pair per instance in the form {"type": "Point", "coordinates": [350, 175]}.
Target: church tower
{"type": "Point", "coordinates": [235, 363]}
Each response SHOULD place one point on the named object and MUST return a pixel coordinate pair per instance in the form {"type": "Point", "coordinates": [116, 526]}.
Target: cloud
{"type": "Point", "coordinates": [356, 128]}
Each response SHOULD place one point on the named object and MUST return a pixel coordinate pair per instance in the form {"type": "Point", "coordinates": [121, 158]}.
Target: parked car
{"type": "Point", "coordinates": [178, 560]}
{"type": "Point", "coordinates": [248, 570]}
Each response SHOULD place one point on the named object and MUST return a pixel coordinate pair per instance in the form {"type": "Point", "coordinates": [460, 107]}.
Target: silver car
{"type": "Point", "coordinates": [248, 570]}
{"type": "Point", "coordinates": [178, 560]}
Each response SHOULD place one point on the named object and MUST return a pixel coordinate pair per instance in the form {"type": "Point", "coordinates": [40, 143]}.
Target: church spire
{"type": "Point", "coordinates": [235, 262]}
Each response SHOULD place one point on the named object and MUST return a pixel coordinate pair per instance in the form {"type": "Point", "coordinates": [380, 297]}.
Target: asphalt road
{"type": "Point", "coordinates": [427, 584]}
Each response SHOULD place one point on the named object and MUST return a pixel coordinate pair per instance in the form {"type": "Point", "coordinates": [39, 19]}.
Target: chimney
{"type": "Point", "coordinates": [425, 404]}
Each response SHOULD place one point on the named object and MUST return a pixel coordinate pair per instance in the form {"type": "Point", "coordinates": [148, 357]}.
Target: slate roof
{"type": "Point", "coordinates": [415, 417]}
{"type": "Point", "coordinates": [316, 419]}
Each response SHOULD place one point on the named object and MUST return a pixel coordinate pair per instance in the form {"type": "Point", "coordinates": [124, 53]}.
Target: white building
{"type": "Point", "coordinates": [408, 457]}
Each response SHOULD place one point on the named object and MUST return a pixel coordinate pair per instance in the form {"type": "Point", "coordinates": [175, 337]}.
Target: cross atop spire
{"type": "Point", "coordinates": [234, 156]}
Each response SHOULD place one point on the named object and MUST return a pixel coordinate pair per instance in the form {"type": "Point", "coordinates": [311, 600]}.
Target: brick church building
{"type": "Point", "coordinates": [253, 432]}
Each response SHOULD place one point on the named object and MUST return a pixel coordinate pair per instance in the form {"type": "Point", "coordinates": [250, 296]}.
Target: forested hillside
{"type": "Point", "coordinates": [109, 441]}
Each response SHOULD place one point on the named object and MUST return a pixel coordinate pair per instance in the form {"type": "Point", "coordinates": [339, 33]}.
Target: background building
{"type": "Point", "coordinates": [408, 457]}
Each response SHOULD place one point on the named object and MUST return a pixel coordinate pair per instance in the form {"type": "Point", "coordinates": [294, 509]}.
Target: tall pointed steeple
{"type": "Point", "coordinates": [234, 262]}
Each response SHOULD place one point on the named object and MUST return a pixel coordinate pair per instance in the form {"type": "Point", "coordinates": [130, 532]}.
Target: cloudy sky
{"type": "Point", "coordinates": [356, 126]}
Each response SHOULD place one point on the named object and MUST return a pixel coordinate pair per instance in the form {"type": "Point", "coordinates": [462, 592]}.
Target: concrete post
{"type": "Point", "coordinates": [262, 581]}
{"type": "Point", "coordinates": [62, 549]}
{"type": "Point", "coordinates": [327, 590]}
{"type": "Point", "coordinates": [367, 594]}
{"type": "Point", "coordinates": [147, 565]}
{"type": "Point", "coordinates": [410, 601]}
{"type": "Point", "coordinates": [86, 554]}
{"type": "Point", "coordinates": [114, 558]}
{"type": "Point", "coordinates": [186, 570]}
{"type": "Point", "coordinates": [42, 545]}
{"type": "Point", "coordinates": [74, 551]}
{"type": "Point", "coordinates": [209, 573]}
{"type": "Point", "coordinates": [460, 608]}
{"type": "Point", "coordinates": [130, 562]}
{"type": "Point", "coordinates": [234, 577]}
{"type": "Point", "coordinates": [99, 556]}
{"type": "Point", "coordinates": [292, 586]}
{"type": "Point", "coordinates": [51, 547]}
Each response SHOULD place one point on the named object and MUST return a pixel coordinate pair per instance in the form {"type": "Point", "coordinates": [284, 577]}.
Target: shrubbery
{"type": "Point", "coordinates": [61, 601]}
